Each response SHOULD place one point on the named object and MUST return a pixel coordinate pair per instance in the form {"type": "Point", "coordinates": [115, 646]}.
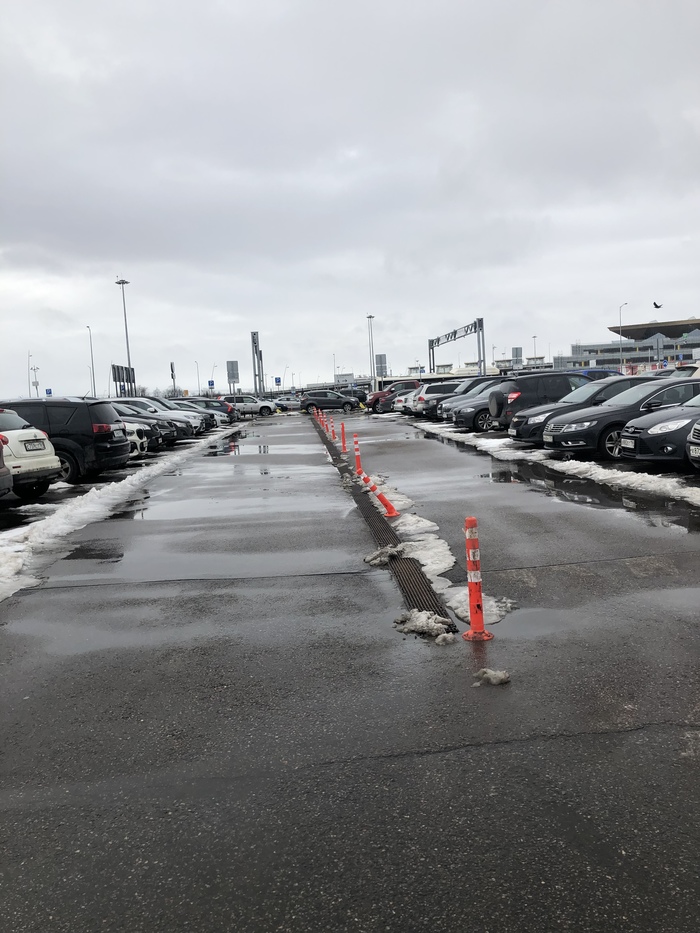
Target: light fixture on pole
{"type": "Point", "coordinates": [29, 374]}
{"type": "Point", "coordinates": [35, 380]}
{"type": "Point", "coordinates": [199, 384]}
{"type": "Point", "coordinates": [534, 345]}
{"type": "Point", "coordinates": [620, 313]}
{"type": "Point", "coordinates": [370, 335]}
{"type": "Point", "coordinates": [122, 283]}
{"type": "Point", "coordinates": [92, 364]}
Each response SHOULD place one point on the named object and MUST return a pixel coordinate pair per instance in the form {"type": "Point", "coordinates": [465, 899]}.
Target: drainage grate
{"type": "Point", "coordinates": [413, 583]}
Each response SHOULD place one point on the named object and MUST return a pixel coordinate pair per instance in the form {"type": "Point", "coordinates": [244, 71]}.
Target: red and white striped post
{"type": "Point", "coordinates": [358, 462]}
{"type": "Point", "coordinates": [390, 510]}
{"type": "Point", "coordinates": [334, 436]}
{"type": "Point", "coordinates": [476, 632]}
{"type": "Point", "coordinates": [343, 443]}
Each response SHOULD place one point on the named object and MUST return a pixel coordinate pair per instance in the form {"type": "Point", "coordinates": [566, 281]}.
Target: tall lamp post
{"type": "Point", "coordinates": [122, 283]}
{"type": "Point", "coordinates": [199, 384]}
{"type": "Point", "coordinates": [620, 313]}
{"type": "Point", "coordinates": [92, 364]}
{"type": "Point", "coordinates": [370, 336]}
{"type": "Point", "coordinates": [534, 345]}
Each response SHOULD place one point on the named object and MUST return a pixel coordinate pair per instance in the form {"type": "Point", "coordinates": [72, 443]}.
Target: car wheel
{"type": "Point", "coordinates": [29, 492]}
{"type": "Point", "coordinates": [497, 402]}
{"type": "Point", "coordinates": [70, 471]}
{"type": "Point", "coordinates": [347, 407]}
{"type": "Point", "coordinates": [309, 409]}
{"type": "Point", "coordinates": [377, 408]}
{"type": "Point", "coordinates": [265, 411]}
{"type": "Point", "coordinates": [482, 422]}
{"type": "Point", "coordinates": [609, 444]}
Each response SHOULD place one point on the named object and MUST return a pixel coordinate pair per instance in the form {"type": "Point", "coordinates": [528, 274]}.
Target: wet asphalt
{"type": "Point", "coordinates": [210, 723]}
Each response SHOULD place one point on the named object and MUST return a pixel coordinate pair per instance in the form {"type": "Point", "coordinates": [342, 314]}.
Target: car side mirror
{"type": "Point", "coordinates": [152, 410]}
{"type": "Point", "coordinates": [653, 404]}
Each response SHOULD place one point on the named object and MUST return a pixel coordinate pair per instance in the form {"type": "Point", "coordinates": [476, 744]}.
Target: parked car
{"type": "Point", "coordinates": [188, 423]}
{"type": "Point", "coordinates": [162, 432]}
{"type": "Point", "coordinates": [29, 456]}
{"type": "Point", "coordinates": [681, 371]}
{"type": "Point", "coordinates": [597, 430]}
{"type": "Point", "coordinates": [528, 425]}
{"type": "Point", "coordinates": [402, 385]}
{"type": "Point", "coordinates": [662, 435]}
{"type": "Point", "coordinates": [328, 399]}
{"type": "Point", "coordinates": [209, 417]}
{"type": "Point", "coordinates": [287, 402]}
{"type": "Point", "coordinates": [214, 405]}
{"type": "Point", "coordinates": [250, 405]}
{"type": "Point", "coordinates": [594, 373]}
{"type": "Point", "coordinates": [693, 445]}
{"type": "Point", "coordinates": [472, 413]}
{"type": "Point", "coordinates": [138, 443]}
{"type": "Point", "coordinates": [428, 396]}
{"type": "Point", "coordinates": [405, 402]}
{"type": "Point", "coordinates": [516, 393]}
{"type": "Point", "coordinates": [198, 418]}
{"type": "Point", "coordinates": [5, 477]}
{"type": "Point", "coordinates": [384, 405]}
{"type": "Point", "coordinates": [359, 394]}
{"type": "Point", "coordinates": [468, 389]}
{"type": "Point", "coordinates": [87, 434]}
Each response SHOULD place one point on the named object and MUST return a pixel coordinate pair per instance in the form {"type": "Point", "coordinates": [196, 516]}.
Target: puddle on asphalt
{"type": "Point", "coordinates": [133, 508]}
{"type": "Point", "coordinates": [104, 552]}
{"type": "Point", "coordinates": [654, 511]}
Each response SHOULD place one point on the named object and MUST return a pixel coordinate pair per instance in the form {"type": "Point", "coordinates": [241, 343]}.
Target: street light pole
{"type": "Point", "coordinates": [534, 345]}
{"type": "Point", "coordinates": [122, 283]}
{"type": "Point", "coordinates": [29, 374]}
{"type": "Point", "coordinates": [620, 313]}
{"type": "Point", "coordinates": [92, 364]}
{"type": "Point", "coordinates": [370, 335]}
{"type": "Point", "coordinates": [199, 385]}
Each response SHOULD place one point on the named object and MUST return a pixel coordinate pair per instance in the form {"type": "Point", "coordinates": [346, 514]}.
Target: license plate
{"type": "Point", "coordinates": [118, 432]}
{"type": "Point", "coordinates": [694, 451]}
{"type": "Point", "coordinates": [34, 445]}
{"type": "Point", "coordinates": [548, 438]}
{"type": "Point", "coordinates": [512, 432]}
{"type": "Point", "coordinates": [627, 442]}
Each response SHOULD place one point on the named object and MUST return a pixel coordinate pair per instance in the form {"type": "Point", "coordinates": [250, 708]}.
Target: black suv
{"type": "Point", "coordinates": [528, 390]}
{"type": "Point", "coordinates": [87, 434]}
{"type": "Point", "coordinates": [326, 398]}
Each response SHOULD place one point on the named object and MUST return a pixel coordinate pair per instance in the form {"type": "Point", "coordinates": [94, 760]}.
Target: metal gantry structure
{"type": "Point", "coordinates": [258, 372]}
{"type": "Point", "coordinates": [476, 327]}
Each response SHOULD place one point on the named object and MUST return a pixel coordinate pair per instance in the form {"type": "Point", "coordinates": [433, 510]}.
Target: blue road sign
{"type": "Point", "coordinates": [49, 391]}
{"type": "Point", "coordinates": [210, 383]}
{"type": "Point", "coordinates": [278, 381]}
{"type": "Point", "coordinates": [665, 364]}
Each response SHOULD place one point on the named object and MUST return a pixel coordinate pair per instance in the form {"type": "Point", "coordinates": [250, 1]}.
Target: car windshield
{"type": "Point", "coordinates": [11, 421]}
{"type": "Point", "coordinates": [164, 404]}
{"type": "Point", "coordinates": [583, 393]}
{"type": "Point", "coordinates": [481, 387]}
{"type": "Point", "coordinates": [633, 395]}
{"type": "Point", "coordinates": [692, 403]}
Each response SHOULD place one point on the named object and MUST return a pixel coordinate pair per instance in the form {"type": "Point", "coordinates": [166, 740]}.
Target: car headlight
{"type": "Point", "coordinates": [667, 426]}
{"type": "Point", "coordinates": [578, 426]}
{"type": "Point", "coordinates": [538, 419]}
{"type": "Point", "coordinates": [466, 409]}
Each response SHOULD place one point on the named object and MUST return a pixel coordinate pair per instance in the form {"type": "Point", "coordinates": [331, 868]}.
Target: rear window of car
{"type": "Point", "coordinates": [33, 413]}
{"type": "Point", "coordinates": [11, 421]}
{"type": "Point", "coordinates": [103, 413]}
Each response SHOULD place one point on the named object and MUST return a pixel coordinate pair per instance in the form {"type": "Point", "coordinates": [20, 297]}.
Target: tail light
{"type": "Point", "coordinates": [4, 440]}
{"type": "Point", "coordinates": [229, 409]}
{"type": "Point", "coordinates": [103, 428]}
{"type": "Point", "coordinates": [512, 397]}
{"type": "Point", "coordinates": [421, 398]}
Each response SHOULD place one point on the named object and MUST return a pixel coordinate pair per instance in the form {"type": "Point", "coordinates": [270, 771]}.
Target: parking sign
{"type": "Point", "coordinates": [210, 383]}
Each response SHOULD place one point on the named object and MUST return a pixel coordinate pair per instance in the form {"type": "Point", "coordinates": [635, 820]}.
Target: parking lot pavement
{"type": "Point", "coordinates": [212, 725]}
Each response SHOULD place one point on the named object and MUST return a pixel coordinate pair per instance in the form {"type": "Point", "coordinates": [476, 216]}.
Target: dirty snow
{"type": "Point", "coordinates": [416, 622]}
{"type": "Point", "coordinates": [495, 608]}
{"type": "Point", "coordinates": [20, 548]}
{"type": "Point", "coordinates": [488, 676]}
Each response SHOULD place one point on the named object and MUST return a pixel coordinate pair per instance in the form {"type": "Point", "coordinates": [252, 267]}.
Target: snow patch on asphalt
{"type": "Point", "coordinates": [20, 547]}
{"type": "Point", "coordinates": [495, 608]}
{"type": "Point", "coordinates": [416, 622]}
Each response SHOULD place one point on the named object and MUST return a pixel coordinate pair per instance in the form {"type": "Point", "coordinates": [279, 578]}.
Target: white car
{"type": "Point", "coordinates": [291, 402]}
{"type": "Point", "coordinates": [29, 455]}
{"type": "Point", "coordinates": [250, 405]}
{"type": "Point", "coordinates": [138, 442]}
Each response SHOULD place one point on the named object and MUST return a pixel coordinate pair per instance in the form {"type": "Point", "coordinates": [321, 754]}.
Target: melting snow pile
{"type": "Point", "coordinates": [426, 624]}
{"type": "Point", "coordinates": [19, 546]}
{"type": "Point", "coordinates": [495, 608]}
{"type": "Point", "coordinates": [380, 558]}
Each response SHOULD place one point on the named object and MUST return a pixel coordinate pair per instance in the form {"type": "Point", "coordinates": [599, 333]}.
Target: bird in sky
{"type": "Point", "coordinates": [657, 306]}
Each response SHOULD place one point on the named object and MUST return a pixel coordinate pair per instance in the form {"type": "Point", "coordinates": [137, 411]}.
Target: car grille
{"type": "Point", "coordinates": [518, 419]}
{"type": "Point", "coordinates": [555, 428]}
{"type": "Point", "coordinates": [695, 433]}
{"type": "Point", "coordinates": [630, 429]}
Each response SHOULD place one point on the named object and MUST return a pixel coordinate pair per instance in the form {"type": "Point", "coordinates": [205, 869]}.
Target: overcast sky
{"type": "Point", "coordinates": [291, 166]}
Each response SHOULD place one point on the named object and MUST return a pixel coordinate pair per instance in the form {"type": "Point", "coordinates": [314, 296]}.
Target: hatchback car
{"type": "Point", "coordinates": [662, 435]}
{"type": "Point", "coordinates": [427, 398]}
{"type": "Point", "coordinates": [87, 434]}
{"type": "Point", "coordinates": [528, 426]}
{"type": "Point", "coordinates": [215, 405]}
{"type": "Point", "coordinates": [598, 430]}
{"type": "Point", "coordinates": [29, 456]}
{"type": "Point", "coordinates": [250, 405]}
{"type": "Point", "coordinates": [187, 422]}
{"type": "Point", "coordinates": [328, 399]}
{"type": "Point", "coordinates": [517, 393]}
{"type": "Point", "coordinates": [470, 388]}
{"type": "Point", "coordinates": [405, 385]}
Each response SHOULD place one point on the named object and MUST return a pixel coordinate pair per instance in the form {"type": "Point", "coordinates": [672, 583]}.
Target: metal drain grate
{"type": "Point", "coordinates": [408, 573]}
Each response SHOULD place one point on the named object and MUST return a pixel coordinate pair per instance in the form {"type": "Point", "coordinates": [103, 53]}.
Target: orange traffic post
{"type": "Point", "coordinates": [358, 462]}
{"type": "Point", "coordinates": [390, 510]}
{"type": "Point", "coordinates": [343, 444]}
{"type": "Point", "coordinates": [334, 436]}
{"type": "Point", "coordinates": [476, 632]}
